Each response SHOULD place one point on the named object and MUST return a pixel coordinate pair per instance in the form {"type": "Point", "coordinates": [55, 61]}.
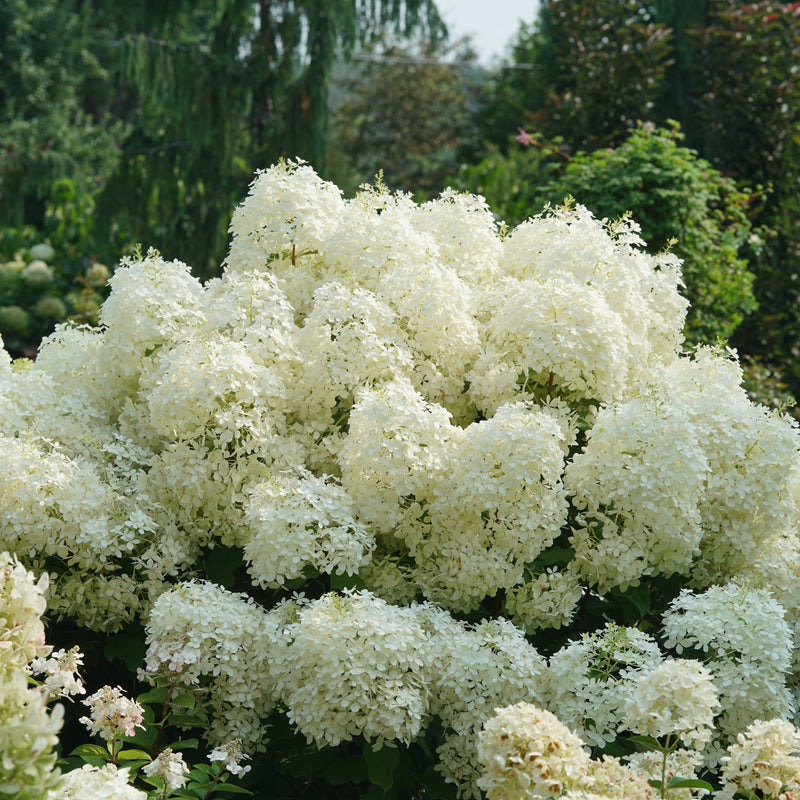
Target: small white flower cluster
{"type": "Point", "coordinates": [61, 671]}
{"type": "Point", "coordinates": [725, 625]}
{"type": "Point", "coordinates": [111, 714]}
{"type": "Point", "coordinates": [676, 698]}
{"type": "Point", "coordinates": [170, 767]}
{"type": "Point", "coordinates": [765, 758]}
{"type": "Point", "coordinates": [231, 756]}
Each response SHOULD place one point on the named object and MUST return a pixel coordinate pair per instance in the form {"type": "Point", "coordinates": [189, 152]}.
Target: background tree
{"type": "Point", "coordinates": [406, 110]}
{"type": "Point", "coordinates": [595, 70]}
{"type": "Point", "coordinates": [219, 88]}
{"type": "Point", "coordinates": [47, 64]}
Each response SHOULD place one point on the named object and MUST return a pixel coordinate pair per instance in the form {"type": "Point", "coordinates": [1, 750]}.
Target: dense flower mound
{"type": "Point", "coordinates": [422, 454]}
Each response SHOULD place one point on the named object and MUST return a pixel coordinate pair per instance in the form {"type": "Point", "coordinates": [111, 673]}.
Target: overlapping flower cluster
{"type": "Point", "coordinates": [465, 420]}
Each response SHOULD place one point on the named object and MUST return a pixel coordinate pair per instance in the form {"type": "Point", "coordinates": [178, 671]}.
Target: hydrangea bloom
{"type": "Point", "coordinates": [298, 520]}
{"type": "Point", "coordinates": [112, 714]}
{"type": "Point", "coordinates": [475, 669]}
{"type": "Point", "coordinates": [200, 630]}
{"type": "Point", "coordinates": [765, 758]}
{"type": "Point", "coordinates": [727, 623]}
{"type": "Point", "coordinates": [638, 483]}
{"type": "Point", "coordinates": [96, 783]}
{"type": "Point", "coordinates": [354, 665]}
{"type": "Point", "coordinates": [527, 752]}
{"type": "Point", "coordinates": [677, 697]}
{"type": "Point", "coordinates": [591, 679]}
{"type": "Point", "coordinates": [60, 669]}
{"type": "Point", "coordinates": [170, 767]}
{"type": "Point", "coordinates": [231, 756]}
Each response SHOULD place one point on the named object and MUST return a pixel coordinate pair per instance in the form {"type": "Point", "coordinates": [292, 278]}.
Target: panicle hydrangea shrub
{"type": "Point", "coordinates": [491, 439]}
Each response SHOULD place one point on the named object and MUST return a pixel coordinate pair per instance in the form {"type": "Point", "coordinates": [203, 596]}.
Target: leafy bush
{"type": "Point", "coordinates": [392, 471]}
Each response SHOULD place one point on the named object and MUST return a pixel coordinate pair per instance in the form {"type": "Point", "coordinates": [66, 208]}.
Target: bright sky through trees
{"type": "Point", "coordinates": [491, 23]}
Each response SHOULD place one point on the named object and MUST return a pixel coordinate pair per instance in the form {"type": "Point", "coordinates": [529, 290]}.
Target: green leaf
{"type": "Point", "coordinates": [131, 755]}
{"type": "Point", "coordinates": [157, 695]}
{"type": "Point", "coordinates": [380, 766]}
{"type": "Point", "coordinates": [346, 582]}
{"type": "Point", "coordinates": [689, 783]}
{"type": "Point", "coordinates": [187, 700]}
{"type": "Point", "coordinates": [186, 721]}
{"type": "Point", "coordinates": [646, 743]}
{"type": "Point", "coordinates": [92, 750]}
{"type": "Point", "coordinates": [228, 787]}
{"type": "Point", "coordinates": [187, 744]}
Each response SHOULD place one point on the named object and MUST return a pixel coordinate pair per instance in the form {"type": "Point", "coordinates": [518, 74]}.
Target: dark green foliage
{"type": "Point", "coordinates": [673, 194]}
{"type": "Point", "coordinates": [597, 68]}
{"type": "Point", "coordinates": [47, 129]}
{"type": "Point", "coordinates": [750, 116]}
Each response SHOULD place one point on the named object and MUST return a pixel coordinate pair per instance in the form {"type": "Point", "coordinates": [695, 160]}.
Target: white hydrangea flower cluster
{"type": "Point", "coordinates": [61, 672]}
{"type": "Point", "coordinates": [298, 520]}
{"type": "Point", "coordinates": [527, 752]}
{"type": "Point", "coordinates": [231, 756]}
{"type": "Point", "coordinates": [547, 601]}
{"type": "Point", "coordinates": [111, 714]}
{"type": "Point", "coordinates": [170, 767]}
{"type": "Point", "coordinates": [765, 758]}
{"type": "Point", "coordinates": [726, 625]}
{"type": "Point", "coordinates": [638, 483]}
{"type": "Point", "coordinates": [354, 665]}
{"type": "Point", "coordinates": [775, 567]}
{"type": "Point", "coordinates": [200, 630]}
{"type": "Point", "coordinates": [681, 763]}
{"type": "Point", "coordinates": [28, 729]}
{"type": "Point", "coordinates": [678, 697]}
{"type": "Point", "coordinates": [476, 668]}
{"type": "Point", "coordinates": [752, 460]}
{"type": "Point", "coordinates": [96, 783]}
{"type": "Point", "coordinates": [591, 679]}
{"type": "Point", "coordinates": [565, 317]}
{"type": "Point", "coordinates": [470, 507]}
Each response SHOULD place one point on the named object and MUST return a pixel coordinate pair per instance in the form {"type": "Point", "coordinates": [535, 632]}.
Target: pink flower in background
{"type": "Point", "coordinates": [523, 137]}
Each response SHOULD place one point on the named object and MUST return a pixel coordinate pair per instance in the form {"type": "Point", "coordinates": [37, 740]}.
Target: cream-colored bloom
{"type": "Point", "coordinates": [170, 767]}
{"type": "Point", "coordinates": [765, 758]}
{"type": "Point", "coordinates": [527, 752]}
{"type": "Point", "coordinates": [678, 698]}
